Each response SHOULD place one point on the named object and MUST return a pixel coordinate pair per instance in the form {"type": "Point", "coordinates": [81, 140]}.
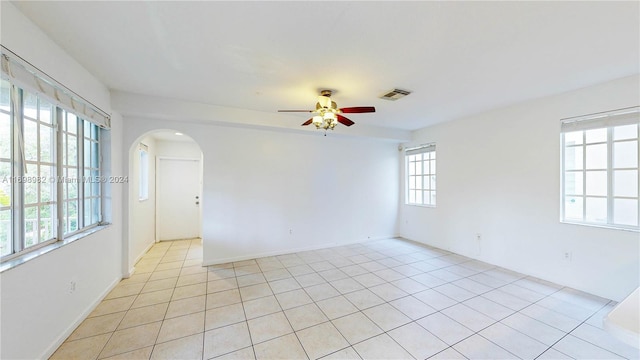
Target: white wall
{"type": "Point", "coordinates": [181, 149]}
{"type": "Point", "coordinates": [143, 234]}
{"type": "Point", "coordinates": [37, 310]}
{"type": "Point", "coordinates": [499, 176]}
{"type": "Point", "coordinates": [272, 192]}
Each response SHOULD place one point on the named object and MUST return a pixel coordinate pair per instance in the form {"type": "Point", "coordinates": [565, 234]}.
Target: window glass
{"type": "Point", "coordinates": [28, 148]}
{"type": "Point", "coordinates": [421, 178]}
{"type": "Point", "coordinates": [605, 191]}
{"type": "Point", "coordinates": [144, 175]}
{"type": "Point", "coordinates": [625, 154]}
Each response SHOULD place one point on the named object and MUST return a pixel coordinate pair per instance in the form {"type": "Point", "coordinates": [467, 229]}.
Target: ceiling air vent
{"type": "Point", "coordinates": [395, 94]}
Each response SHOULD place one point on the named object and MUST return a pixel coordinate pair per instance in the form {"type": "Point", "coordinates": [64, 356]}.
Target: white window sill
{"type": "Point", "coordinates": [421, 205]}
{"type": "Point", "coordinates": [602, 226]}
{"type": "Point", "coordinates": [30, 255]}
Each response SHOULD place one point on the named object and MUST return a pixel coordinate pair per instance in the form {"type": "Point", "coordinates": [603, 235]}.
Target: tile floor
{"type": "Point", "coordinates": [389, 299]}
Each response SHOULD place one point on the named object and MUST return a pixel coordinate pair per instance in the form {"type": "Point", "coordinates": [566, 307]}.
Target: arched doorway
{"type": "Point", "coordinates": [164, 193]}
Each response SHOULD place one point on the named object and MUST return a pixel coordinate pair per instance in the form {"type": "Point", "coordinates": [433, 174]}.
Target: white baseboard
{"type": "Point", "coordinates": [69, 330]}
{"type": "Point", "coordinates": [133, 268]}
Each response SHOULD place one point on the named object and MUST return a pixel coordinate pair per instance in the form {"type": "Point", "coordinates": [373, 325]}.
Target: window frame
{"type": "Point", "coordinates": [56, 179]}
{"type": "Point", "coordinates": [608, 121]}
{"type": "Point", "coordinates": [143, 167]}
{"type": "Point", "coordinates": [430, 174]}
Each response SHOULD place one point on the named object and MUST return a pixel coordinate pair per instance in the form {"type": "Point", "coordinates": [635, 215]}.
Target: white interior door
{"type": "Point", "coordinates": [178, 198]}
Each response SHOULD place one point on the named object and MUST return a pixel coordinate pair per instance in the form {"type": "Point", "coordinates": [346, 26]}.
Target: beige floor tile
{"type": "Point", "coordinates": [223, 298]}
{"type": "Point", "coordinates": [136, 279]}
{"type": "Point", "coordinates": [412, 307]}
{"type": "Point", "coordinates": [321, 291]}
{"type": "Point", "coordinates": [344, 354]}
{"type": "Point", "coordinates": [172, 258]}
{"type": "Point", "coordinates": [181, 326]}
{"type": "Point", "coordinates": [140, 354]}
{"type": "Point", "coordinates": [347, 285]}
{"type": "Point", "coordinates": [87, 348]}
{"type": "Point", "coordinates": [126, 340]}
{"type": "Point", "coordinates": [255, 291]}
{"type": "Point", "coordinates": [164, 274]}
{"type": "Point", "coordinates": [186, 306]}
{"type": "Point", "coordinates": [260, 307]}
{"type": "Point", "coordinates": [247, 270]}
{"type": "Point", "coordinates": [250, 262]}
{"type": "Point", "coordinates": [285, 347]}
{"type": "Point", "coordinates": [97, 325]}
{"type": "Point", "coordinates": [268, 327]}
{"type": "Point", "coordinates": [386, 316]}
{"type": "Point", "coordinates": [216, 273]}
{"type": "Point", "coordinates": [242, 354]}
{"type": "Point", "coordinates": [293, 299]}
{"type": "Point", "coordinates": [321, 340]}
{"type": "Point", "coordinates": [184, 280]}
{"type": "Point", "coordinates": [226, 340]}
{"type": "Point", "coordinates": [143, 315]}
{"type": "Point", "coordinates": [284, 285]}
{"type": "Point", "coordinates": [113, 306]}
{"type": "Point", "coordinates": [356, 327]}
{"type": "Point", "coordinates": [159, 285]}
{"type": "Point", "coordinates": [381, 347]}
{"type": "Point", "coordinates": [169, 266]}
{"type": "Point", "coordinates": [186, 348]}
{"type": "Point", "coordinates": [223, 316]}
{"type": "Point", "coordinates": [270, 266]}
{"type": "Point", "coordinates": [336, 307]}
{"type": "Point", "coordinates": [183, 292]}
{"type": "Point", "coordinates": [417, 341]}
{"type": "Point", "coordinates": [445, 328]}
{"type": "Point", "coordinates": [252, 279]}
{"type": "Point", "coordinates": [221, 285]}
{"type": "Point", "coordinates": [145, 269]}
{"type": "Point", "coordinates": [153, 298]}
{"type": "Point", "coordinates": [276, 274]}
{"type": "Point", "coordinates": [305, 316]}
{"type": "Point", "coordinates": [364, 299]}
{"type": "Point", "coordinates": [194, 261]}
{"type": "Point", "coordinates": [171, 306]}
{"type": "Point", "coordinates": [125, 290]}
{"type": "Point", "coordinates": [309, 279]}
{"type": "Point", "coordinates": [194, 269]}
{"type": "Point", "coordinates": [388, 292]}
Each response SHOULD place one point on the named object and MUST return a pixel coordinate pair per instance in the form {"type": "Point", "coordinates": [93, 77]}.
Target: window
{"type": "Point", "coordinates": [421, 175]}
{"type": "Point", "coordinates": [143, 186]}
{"type": "Point", "coordinates": [600, 170]}
{"type": "Point", "coordinates": [50, 184]}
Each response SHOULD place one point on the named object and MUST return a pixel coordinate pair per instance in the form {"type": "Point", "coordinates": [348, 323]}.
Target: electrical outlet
{"type": "Point", "coordinates": [567, 255]}
{"type": "Point", "coordinates": [478, 237]}
{"type": "Point", "coordinates": [290, 231]}
{"type": "Point", "coordinates": [72, 287]}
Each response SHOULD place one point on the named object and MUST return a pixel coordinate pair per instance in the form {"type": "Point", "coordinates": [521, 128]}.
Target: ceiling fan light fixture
{"type": "Point", "coordinates": [324, 101]}
{"type": "Point", "coordinates": [328, 115]}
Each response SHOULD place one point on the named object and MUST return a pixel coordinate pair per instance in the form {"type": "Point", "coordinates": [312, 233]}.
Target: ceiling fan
{"type": "Point", "coordinates": [328, 113]}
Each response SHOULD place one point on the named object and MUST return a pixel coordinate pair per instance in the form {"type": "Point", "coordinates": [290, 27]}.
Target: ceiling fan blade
{"type": "Point", "coordinates": [295, 111]}
{"type": "Point", "coordinates": [307, 122]}
{"type": "Point", "coordinates": [358, 109]}
{"type": "Point", "coordinates": [344, 121]}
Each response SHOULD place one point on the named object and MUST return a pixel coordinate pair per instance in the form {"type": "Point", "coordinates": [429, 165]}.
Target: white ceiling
{"type": "Point", "coordinates": [458, 58]}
